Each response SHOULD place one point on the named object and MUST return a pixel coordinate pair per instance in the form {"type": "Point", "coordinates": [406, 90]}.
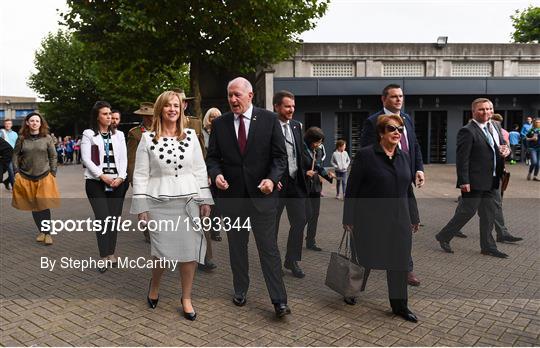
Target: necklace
{"type": "Point", "coordinates": [389, 154]}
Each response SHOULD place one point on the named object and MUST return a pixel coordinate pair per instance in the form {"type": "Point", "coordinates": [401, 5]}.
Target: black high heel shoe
{"type": "Point", "coordinates": [350, 300]}
{"type": "Point", "coordinates": [189, 316]}
{"type": "Point", "coordinates": [151, 303]}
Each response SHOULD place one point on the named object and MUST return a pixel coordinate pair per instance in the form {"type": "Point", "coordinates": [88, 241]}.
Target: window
{"type": "Point", "coordinates": [467, 116]}
{"type": "Point", "coordinates": [2, 113]}
{"type": "Point", "coordinates": [404, 69]}
{"type": "Point", "coordinates": [349, 128]}
{"type": "Point", "coordinates": [312, 119]}
{"type": "Point", "coordinates": [23, 112]}
{"type": "Point", "coordinates": [472, 69]}
{"type": "Point", "coordinates": [333, 70]}
{"type": "Point", "coordinates": [529, 69]}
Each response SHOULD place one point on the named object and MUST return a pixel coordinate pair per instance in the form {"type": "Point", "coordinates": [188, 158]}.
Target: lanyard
{"type": "Point", "coordinates": [107, 142]}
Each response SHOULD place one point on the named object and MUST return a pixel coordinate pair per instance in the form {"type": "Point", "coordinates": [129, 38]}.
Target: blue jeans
{"type": "Point", "coordinates": [341, 180]}
{"type": "Point", "coordinates": [535, 157]}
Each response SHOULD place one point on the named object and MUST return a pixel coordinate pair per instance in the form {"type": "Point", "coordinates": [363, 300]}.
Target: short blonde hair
{"type": "Point", "coordinates": [479, 101]}
{"type": "Point", "coordinates": [497, 117]}
{"type": "Point", "coordinates": [159, 105]}
{"type": "Point", "coordinates": [209, 113]}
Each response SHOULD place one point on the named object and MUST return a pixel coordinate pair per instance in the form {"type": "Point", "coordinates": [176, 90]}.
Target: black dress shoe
{"type": "Point", "coordinates": [495, 253]}
{"type": "Point", "coordinates": [239, 299]}
{"type": "Point", "coordinates": [460, 234]}
{"type": "Point", "coordinates": [151, 303]}
{"type": "Point", "coordinates": [207, 267]}
{"type": "Point", "coordinates": [189, 316]}
{"type": "Point", "coordinates": [446, 247]}
{"type": "Point", "coordinates": [281, 309]}
{"type": "Point", "coordinates": [350, 300]}
{"type": "Point", "coordinates": [210, 264]}
{"type": "Point", "coordinates": [508, 239]}
{"type": "Point", "coordinates": [313, 247]}
{"type": "Point", "coordinates": [102, 269]}
{"type": "Point", "coordinates": [295, 269]}
{"type": "Point", "coordinates": [406, 314]}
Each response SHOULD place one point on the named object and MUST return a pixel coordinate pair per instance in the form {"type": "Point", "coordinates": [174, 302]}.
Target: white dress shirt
{"type": "Point", "coordinates": [247, 121]}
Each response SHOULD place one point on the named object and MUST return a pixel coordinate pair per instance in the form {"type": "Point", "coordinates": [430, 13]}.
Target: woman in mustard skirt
{"type": "Point", "coordinates": [34, 164]}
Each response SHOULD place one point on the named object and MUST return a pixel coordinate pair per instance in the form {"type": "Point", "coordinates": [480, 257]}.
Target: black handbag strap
{"type": "Point", "coordinates": [348, 238]}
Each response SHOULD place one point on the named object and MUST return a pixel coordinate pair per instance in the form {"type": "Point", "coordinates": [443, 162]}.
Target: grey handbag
{"type": "Point", "coordinates": [344, 276]}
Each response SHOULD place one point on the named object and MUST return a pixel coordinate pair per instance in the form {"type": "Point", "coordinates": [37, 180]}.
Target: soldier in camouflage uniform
{"type": "Point", "coordinates": [146, 110]}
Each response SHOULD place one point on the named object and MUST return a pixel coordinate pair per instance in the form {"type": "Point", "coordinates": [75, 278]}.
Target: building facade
{"type": "Point", "coordinates": [338, 85]}
{"type": "Point", "coordinates": [16, 108]}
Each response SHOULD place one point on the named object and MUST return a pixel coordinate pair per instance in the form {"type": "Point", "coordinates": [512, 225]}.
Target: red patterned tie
{"type": "Point", "coordinates": [241, 134]}
{"type": "Point", "coordinates": [403, 142]}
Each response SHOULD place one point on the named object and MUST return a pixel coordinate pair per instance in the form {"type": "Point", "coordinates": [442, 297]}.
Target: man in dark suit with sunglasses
{"type": "Point", "coordinates": [392, 99]}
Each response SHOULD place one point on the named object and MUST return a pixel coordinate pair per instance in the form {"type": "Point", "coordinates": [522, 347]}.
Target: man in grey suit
{"type": "Point", "coordinates": [479, 166]}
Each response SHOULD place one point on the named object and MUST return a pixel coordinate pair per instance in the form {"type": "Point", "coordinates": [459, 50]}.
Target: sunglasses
{"type": "Point", "coordinates": [391, 129]}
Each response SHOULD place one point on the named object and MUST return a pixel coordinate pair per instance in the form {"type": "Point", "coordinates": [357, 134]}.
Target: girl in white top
{"type": "Point", "coordinates": [104, 156]}
{"type": "Point", "coordinates": [170, 184]}
{"type": "Point", "coordinates": [340, 161]}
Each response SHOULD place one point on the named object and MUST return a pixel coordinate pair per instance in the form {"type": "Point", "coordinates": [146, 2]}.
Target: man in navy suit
{"type": "Point", "coordinates": [292, 187]}
{"type": "Point", "coordinates": [480, 157]}
{"type": "Point", "coordinates": [246, 159]}
{"type": "Point", "coordinates": [392, 99]}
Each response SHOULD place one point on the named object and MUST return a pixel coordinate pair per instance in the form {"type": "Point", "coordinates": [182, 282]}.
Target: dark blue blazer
{"type": "Point", "coordinates": [369, 137]}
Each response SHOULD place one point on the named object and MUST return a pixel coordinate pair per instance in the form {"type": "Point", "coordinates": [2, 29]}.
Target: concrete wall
{"type": "Point", "coordinates": [368, 58]}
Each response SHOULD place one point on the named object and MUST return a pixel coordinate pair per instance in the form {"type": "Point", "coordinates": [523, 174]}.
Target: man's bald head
{"type": "Point", "coordinates": [239, 95]}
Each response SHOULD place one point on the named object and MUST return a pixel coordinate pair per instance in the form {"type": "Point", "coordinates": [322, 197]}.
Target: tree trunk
{"type": "Point", "coordinates": [194, 69]}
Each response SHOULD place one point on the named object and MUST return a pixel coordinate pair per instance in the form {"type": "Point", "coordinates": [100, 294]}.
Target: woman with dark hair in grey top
{"type": "Point", "coordinates": [34, 162]}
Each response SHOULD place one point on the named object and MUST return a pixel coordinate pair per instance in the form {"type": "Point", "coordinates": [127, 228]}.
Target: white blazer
{"type": "Point", "coordinates": [120, 154]}
{"type": "Point", "coordinates": [169, 169]}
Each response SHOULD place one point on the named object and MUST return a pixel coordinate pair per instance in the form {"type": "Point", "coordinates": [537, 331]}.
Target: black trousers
{"type": "Point", "coordinates": [293, 198]}
{"type": "Point", "coordinates": [397, 288]}
{"type": "Point", "coordinates": [500, 225]}
{"type": "Point", "coordinates": [264, 231]}
{"type": "Point", "coordinates": [106, 204]}
{"type": "Point", "coordinates": [470, 203]}
{"type": "Point", "coordinates": [40, 216]}
{"type": "Point", "coordinates": [313, 207]}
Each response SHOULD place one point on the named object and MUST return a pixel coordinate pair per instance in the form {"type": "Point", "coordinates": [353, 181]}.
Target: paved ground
{"type": "Point", "coordinates": [465, 298]}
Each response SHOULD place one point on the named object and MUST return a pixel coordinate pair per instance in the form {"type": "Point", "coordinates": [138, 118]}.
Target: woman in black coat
{"type": "Point", "coordinates": [377, 210]}
{"type": "Point", "coordinates": [311, 158]}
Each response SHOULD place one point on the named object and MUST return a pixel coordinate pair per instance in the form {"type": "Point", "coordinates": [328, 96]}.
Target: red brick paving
{"type": "Point", "coordinates": [465, 299]}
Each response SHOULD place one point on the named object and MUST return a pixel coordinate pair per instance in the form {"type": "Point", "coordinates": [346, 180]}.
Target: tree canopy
{"type": "Point", "coordinates": [527, 25]}
{"type": "Point", "coordinates": [71, 79]}
{"type": "Point", "coordinates": [66, 78]}
{"type": "Point", "coordinates": [237, 36]}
